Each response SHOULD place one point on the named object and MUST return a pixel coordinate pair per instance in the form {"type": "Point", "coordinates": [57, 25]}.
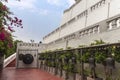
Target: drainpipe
{"type": "Point", "coordinates": [66, 44]}
{"type": "Point", "coordinates": [86, 14]}
{"type": "Point", "coordinates": [108, 15]}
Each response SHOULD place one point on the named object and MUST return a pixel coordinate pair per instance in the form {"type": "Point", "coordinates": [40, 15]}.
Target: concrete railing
{"type": "Point", "coordinates": [9, 59]}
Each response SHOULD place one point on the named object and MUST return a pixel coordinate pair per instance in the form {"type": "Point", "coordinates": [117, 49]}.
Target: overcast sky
{"type": "Point", "coordinates": [40, 17]}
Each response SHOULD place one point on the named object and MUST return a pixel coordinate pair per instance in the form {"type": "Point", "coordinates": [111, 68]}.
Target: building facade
{"type": "Point", "coordinates": [31, 46]}
{"type": "Point", "coordinates": [84, 22]}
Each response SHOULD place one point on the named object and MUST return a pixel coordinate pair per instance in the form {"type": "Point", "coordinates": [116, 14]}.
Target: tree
{"type": "Point", "coordinates": [6, 28]}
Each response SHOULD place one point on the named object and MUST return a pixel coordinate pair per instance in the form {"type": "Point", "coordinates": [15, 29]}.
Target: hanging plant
{"type": "Point", "coordinates": [117, 54]}
{"type": "Point", "coordinates": [66, 56]}
{"type": "Point", "coordinates": [85, 57]}
{"type": "Point", "coordinates": [99, 57]}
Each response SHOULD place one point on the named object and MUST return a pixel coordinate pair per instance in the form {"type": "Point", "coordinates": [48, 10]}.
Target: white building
{"type": "Point", "coordinates": [86, 21]}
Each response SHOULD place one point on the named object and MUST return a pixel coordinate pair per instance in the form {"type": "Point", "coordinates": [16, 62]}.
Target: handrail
{"type": "Point", "coordinates": [9, 59]}
{"type": "Point", "coordinates": [88, 47]}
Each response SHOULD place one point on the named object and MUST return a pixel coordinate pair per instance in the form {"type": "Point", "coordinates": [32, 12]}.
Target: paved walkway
{"type": "Point", "coordinates": [10, 73]}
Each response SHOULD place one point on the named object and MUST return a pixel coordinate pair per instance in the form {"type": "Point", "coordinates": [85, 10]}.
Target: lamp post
{"type": "Point", "coordinates": [110, 65]}
{"type": "Point", "coordinates": [92, 66]}
{"type": "Point", "coordinates": [73, 67]}
{"type": "Point", "coordinates": [66, 60]}
{"type": "Point", "coordinates": [82, 66]}
{"type": "Point", "coordinates": [60, 63]}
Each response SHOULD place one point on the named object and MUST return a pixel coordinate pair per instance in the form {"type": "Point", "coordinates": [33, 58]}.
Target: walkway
{"type": "Point", "coordinates": [11, 73]}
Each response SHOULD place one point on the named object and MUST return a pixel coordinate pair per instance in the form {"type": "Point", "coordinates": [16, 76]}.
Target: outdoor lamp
{"type": "Point", "coordinates": [110, 62]}
{"type": "Point", "coordinates": [66, 60]}
{"type": "Point", "coordinates": [73, 60]}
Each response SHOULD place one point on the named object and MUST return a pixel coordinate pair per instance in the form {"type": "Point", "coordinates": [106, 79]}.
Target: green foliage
{"type": "Point", "coordinates": [116, 52]}
{"type": "Point", "coordinates": [100, 57]}
{"type": "Point", "coordinates": [11, 50]}
{"type": "Point", "coordinates": [87, 72]}
{"type": "Point", "coordinates": [15, 44]}
{"type": "Point", "coordinates": [7, 50]}
{"type": "Point", "coordinates": [97, 42]}
{"type": "Point", "coordinates": [69, 47]}
{"type": "Point", "coordinates": [7, 46]}
{"type": "Point", "coordinates": [81, 46]}
{"type": "Point", "coordinates": [59, 49]}
{"type": "Point", "coordinates": [85, 57]}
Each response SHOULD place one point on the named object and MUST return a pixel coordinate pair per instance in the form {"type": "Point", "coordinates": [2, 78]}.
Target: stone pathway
{"type": "Point", "coordinates": [11, 73]}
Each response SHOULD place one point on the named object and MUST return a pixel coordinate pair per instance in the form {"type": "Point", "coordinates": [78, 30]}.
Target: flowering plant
{"type": "Point", "coordinates": [6, 27]}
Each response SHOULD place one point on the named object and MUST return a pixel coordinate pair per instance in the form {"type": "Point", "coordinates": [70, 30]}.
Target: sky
{"type": "Point", "coordinates": [39, 17]}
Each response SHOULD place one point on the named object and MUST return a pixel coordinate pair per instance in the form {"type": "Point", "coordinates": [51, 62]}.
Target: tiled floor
{"type": "Point", "coordinates": [10, 73]}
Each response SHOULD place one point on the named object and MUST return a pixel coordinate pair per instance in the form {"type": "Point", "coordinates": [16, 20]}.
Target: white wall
{"type": "Point", "coordinates": [108, 37]}
{"type": "Point", "coordinates": [56, 46]}
{"type": "Point", "coordinates": [52, 37]}
{"type": "Point", "coordinates": [66, 17]}
{"type": "Point", "coordinates": [114, 7]}
{"type": "Point", "coordinates": [91, 2]}
{"type": "Point", "coordinates": [97, 15]}
{"type": "Point", "coordinates": [73, 27]}
{"type": "Point", "coordinates": [78, 8]}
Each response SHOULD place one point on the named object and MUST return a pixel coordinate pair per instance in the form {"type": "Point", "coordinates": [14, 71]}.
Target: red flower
{"type": "Point", "coordinates": [16, 19]}
{"type": "Point", "coordinates": [4, 7]}
{"type": "Point", "coordinates": [10, 45]}
{"type": "Point", "coordinates": [20, 21]}
{"type": "Point", "coordinates": [10, 28]}
{"type": "Point", "coordinates": [22, 27]}
{"type": "Point", "coordinates": [2, 36]}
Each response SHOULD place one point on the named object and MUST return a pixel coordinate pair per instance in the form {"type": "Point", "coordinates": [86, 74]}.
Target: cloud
{"type": "Point", "coordinates": [28, 5]}
{"type": "Point", "coordinates": [61, 2]}
{"type": "Point", "coordinates": [54, 2]}
{"type": "Point", "coordinates": [43, 12]}
{"type": "Point", "coordinates": [40, 11]}
{"type": "Point", "coordinates": [23, 4]}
